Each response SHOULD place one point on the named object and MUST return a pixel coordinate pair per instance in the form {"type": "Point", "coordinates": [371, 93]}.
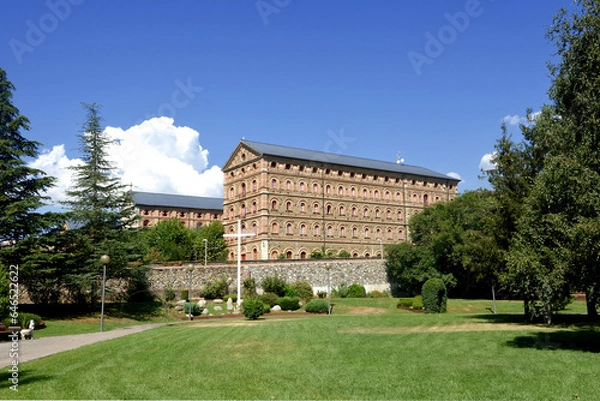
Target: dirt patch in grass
{"type": "Point", "coordinates": [447, 329]}
{"type": "Point", "coordinates": [366, 310]}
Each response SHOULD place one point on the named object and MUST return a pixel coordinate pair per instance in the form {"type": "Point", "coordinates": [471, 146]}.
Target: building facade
{"type": "Point", "coordinates": [193, 211]}
{"type": "Point", "coordinates": [296, 202]}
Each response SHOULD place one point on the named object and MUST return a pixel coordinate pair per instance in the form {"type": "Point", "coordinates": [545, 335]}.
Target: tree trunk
{"type": "Point", "coordinates": [591, 301]}
{"type": "Point", "coordinates": [548, 314]}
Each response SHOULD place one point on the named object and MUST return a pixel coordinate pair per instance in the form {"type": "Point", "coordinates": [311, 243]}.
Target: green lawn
{"type": "Point", "coordinates": [468, 354]}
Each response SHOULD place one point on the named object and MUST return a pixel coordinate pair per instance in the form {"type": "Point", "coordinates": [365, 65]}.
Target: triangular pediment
{"type": "Point", "coordinates": [242, 155]}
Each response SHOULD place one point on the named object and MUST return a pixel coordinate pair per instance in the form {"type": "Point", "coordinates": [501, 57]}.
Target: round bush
{"type": "Point", "coordinates": [435, 296]}
{"type": "Point", "coordinates": [269, 298]}
{"type": "Point", "coordinates": [317, 306]}
{"type": "Point", "coordinates": [289, 303]}
{"type": "Point", "coordinates": [195, 308]}
{"type": "Point", "coordinates": [303, 289]}
{"type": "Point", "coordinates": [253, 308]}
{"type": "Point", "coordinates": [357, 291]}
{"type": "Point", "coordinates": [215, 290]}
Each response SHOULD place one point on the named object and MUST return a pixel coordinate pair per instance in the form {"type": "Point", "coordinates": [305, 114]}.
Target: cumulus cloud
{"type": "Point", "coordinates": [518, 120]}
{"type": "Point", "coordinates": [154, 156]}
{"type": "Point", "coordinates": [454, 175]}
{"type": "Point", "coordinates": [55, 163]}
{"type": "Point", "coordinates": [486, 164]}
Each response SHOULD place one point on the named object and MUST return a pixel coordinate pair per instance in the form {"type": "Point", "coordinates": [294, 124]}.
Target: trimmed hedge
{"type": "Point", "coordinates": [417, 302]}
{"type": "Point", "coordinates": [289, 303]}
{"type": "Point", "coordinates": [435, 296]}
{"type": "Point", "coordinates": [316, 306]}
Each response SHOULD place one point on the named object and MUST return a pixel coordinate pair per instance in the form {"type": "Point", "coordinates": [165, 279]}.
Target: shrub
{"type": "Point", "coordinates": [341, 291]}
{"type": "Point", "coordinates": [169, 293]}
{"type": "Point", "coordinates": [435, 296]}
{"type": "Point", "coordinates": [184, 295]}
{"type": "Point", "coordinates": [24, 319]}
{"type": "Point", "coordinates": [195, 308]}
{"type": "Point", "coordinates": [249, 286]}
{"type": "Point", "coordinates": [289, 303]}
{"type": "Point", "coordinates": [303, 289]}
{"type": "Point", "coordinates": [377, 294]}
{"type": "Point", "coordinates": [269, 298]}
{"type": "Point", "coordinates": [215, 290]}
{"type": "Point", "coordinates": [232, 296]}
{"type": "Point", "coordinates": [274, 284]}
{"type": "Point", "coordinates": [253, 308]}
{"type": "Point", "coordinates": [357, 291]}
{"type": "Point", "coordinates": [343, 254]}
{"type": "Point", "coordinates": [317, 306]}
{"type": "Point", "coordinates": [405, 302]}
{"type": "Point", "coordinates": [417, 302]}
{"type": "Point", "coordinates": [289, 291]}
{"type": "Point", "coordinates": [322, 294]}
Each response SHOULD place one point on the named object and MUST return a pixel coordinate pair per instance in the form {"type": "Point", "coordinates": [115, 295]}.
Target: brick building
{"type": "Point", "coordinates": [298, 201]}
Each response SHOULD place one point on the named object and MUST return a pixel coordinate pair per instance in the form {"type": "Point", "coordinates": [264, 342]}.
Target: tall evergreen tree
{"type": "Point", "coordinates": [21, 187]}
{"type": "Point", "coordinates": [101, 210]}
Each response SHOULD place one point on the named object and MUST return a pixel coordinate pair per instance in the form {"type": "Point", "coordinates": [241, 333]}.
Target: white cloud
{"type": "Point", "coordinates": [485, 164]}
{"type": "Point", "coordinates": [454, 175]}
{"type": "Point", "coordinates": [154, 156]}
{"type": "Point", "coordinates": [514, 120]}
{"type": "Point", "coordinates": [55, 163]}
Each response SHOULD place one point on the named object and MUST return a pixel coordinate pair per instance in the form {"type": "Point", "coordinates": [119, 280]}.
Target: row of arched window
{"type": "Point", "coordinates": [290, 254]}
{"type": "Point", "coordinates": [315, 208]}
{"type": "Point", "coordinates": [331, 230]}
{"type": "Point", "coordinates": [330, 190]}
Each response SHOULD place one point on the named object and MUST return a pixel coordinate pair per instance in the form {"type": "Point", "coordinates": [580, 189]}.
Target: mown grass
{"type": "Point", "coordinates": [392, 354]}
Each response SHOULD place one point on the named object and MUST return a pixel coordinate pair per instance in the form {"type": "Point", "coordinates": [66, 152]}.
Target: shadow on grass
{"type": "Point", "coordinates": [579, 340]}
{"type": "Point", "coordinates": [140, 311]}
{"type": "Point", "coordinates": [25, 376]}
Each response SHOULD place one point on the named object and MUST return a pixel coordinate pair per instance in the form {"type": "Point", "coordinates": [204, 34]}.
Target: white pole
{"type": "Point", "coordinates": [239, 262]}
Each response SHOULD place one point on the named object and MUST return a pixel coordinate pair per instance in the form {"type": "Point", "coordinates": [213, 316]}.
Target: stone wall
{"type": "Point", "coordinates": [368, 272]}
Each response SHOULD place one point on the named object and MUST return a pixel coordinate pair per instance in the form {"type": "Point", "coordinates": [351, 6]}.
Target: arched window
{"type": "Point", "coordinates": [388, 214]}
{"type": "Point", "coordinates": [254, 229]}
{"type": "Point", "coordinates": [328, 209]}
{"type": "Point", "coordinates": [274, 183]}
{"type": "Point", "coordinates": [340, 190]}
{"type": "Point", "coordinates": [377, 213]}
{"type": "Point", "coordinates": [400, 234]}
{"type": "Point", "coordinates": [354, 212]}
{"type": "Point", "coordinates": [415, 198]}
{"type": "Point", "coordinates": [302, 230]}
{"type": "Point", "coordinates": [366, 212]}
{"type": "Point", "coordinates": [378, 233]}
{"type": "Point", "coordinates": [316, 208]}
{"type": "Point", "coordinates": [367, 232]}
{"type": "Point", "coordinates": [254, 185]}
{"type": "Point", "coordinates": [398, 196]}
{"type": "Point", "coordinates": [329, 231]}
{"type": "Point", "coordinates": [302, 186]}
{"type": "Point", "coordinates": [275, 228]}
{"type": "Point", "coordinates": [231, 193]}
{"type": "Point", "coordinates": [243, 189]}
{"type": "Point", "coordinates": [146, 223]}
{"type": "Point", "coordinates": [289, 254]}
{"type": "Point", "coordinates": [426, 199]}
{"type": "Point", "coordinates": [288, 185]}
{"type": "Point", "coordinates": [365, 193]}
{"type": "Point", "coordinates": [315, 188]}
{"type": "Point", "coordinates": [316, 230]}
{"type": "Point", "coordinates": [231, 213]}
{"type": "Point", "coordinates": [243, 210]}
{"type": "Point", "coordinates": [254, 207]}
{"type": "Point", "coordinates": [399, 215]}
{"type": "Point", "coordinates": [353, 191]}
{"type": "Point", "coordinates": [254, 254]}
{"type": "Point", "coordinates": [288, 206]}
{"type": "Point", "coordinates": [376, 194]}
{"type": "Point", "coordinates": [302, 207]}
{"type": "Point", "coordinates": [389, 234]}
{"type": "Point", "coordinates": [387, 195]}
{"type": "Point", "coordinates": [342, 211]}
{"type": "Point", "coordinates": [289, 228]}
{"type": "Point", "coordinates": [342, 232]}
{"type": "Point", "coordinates": [328, 189]}
{"type": "Point", "coordinates": [303, 255]}
{"type": "Point", "coordinates": [354, 232]}
{"type": "Point", "coordinates": [274, 205]}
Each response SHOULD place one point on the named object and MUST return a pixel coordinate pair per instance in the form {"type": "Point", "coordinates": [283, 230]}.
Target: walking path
{"type": "Point", "coordinates": [29, 350]}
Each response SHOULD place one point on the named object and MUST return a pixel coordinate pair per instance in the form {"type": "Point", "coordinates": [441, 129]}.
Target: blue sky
{"type": "Point", "coordinates": [431, 80]}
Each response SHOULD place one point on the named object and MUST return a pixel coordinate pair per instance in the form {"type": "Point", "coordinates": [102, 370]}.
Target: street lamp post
{"type": "Point", "coordinates": [205, 250]}
{"type": "Point", "coordinates": [190, 269]}
{"type": "Point", "coordinates": [104, 259]}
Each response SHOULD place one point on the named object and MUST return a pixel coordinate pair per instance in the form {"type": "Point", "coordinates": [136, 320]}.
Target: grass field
{"type": "Point", "coordinates": [366, 350]}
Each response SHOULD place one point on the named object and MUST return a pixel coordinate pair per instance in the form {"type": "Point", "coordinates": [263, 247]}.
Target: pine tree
{"type": "Point", "coordinates": [21, 187]}
{"type": "Point", "coordinates": [101, 210]}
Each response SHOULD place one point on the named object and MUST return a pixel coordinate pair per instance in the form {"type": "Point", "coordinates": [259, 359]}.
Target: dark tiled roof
{"type": "Point", "coordinates": [332, 158]}
{"type": "Point", "coordinates": [177, 201]}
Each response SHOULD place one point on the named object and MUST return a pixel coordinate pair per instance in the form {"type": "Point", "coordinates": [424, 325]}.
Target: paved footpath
{"type": "Point", "coordinates": [41, 347]}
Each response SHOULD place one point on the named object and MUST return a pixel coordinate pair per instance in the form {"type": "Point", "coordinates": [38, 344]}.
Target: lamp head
{"type": "Point", "coordinates": [105, 259]}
